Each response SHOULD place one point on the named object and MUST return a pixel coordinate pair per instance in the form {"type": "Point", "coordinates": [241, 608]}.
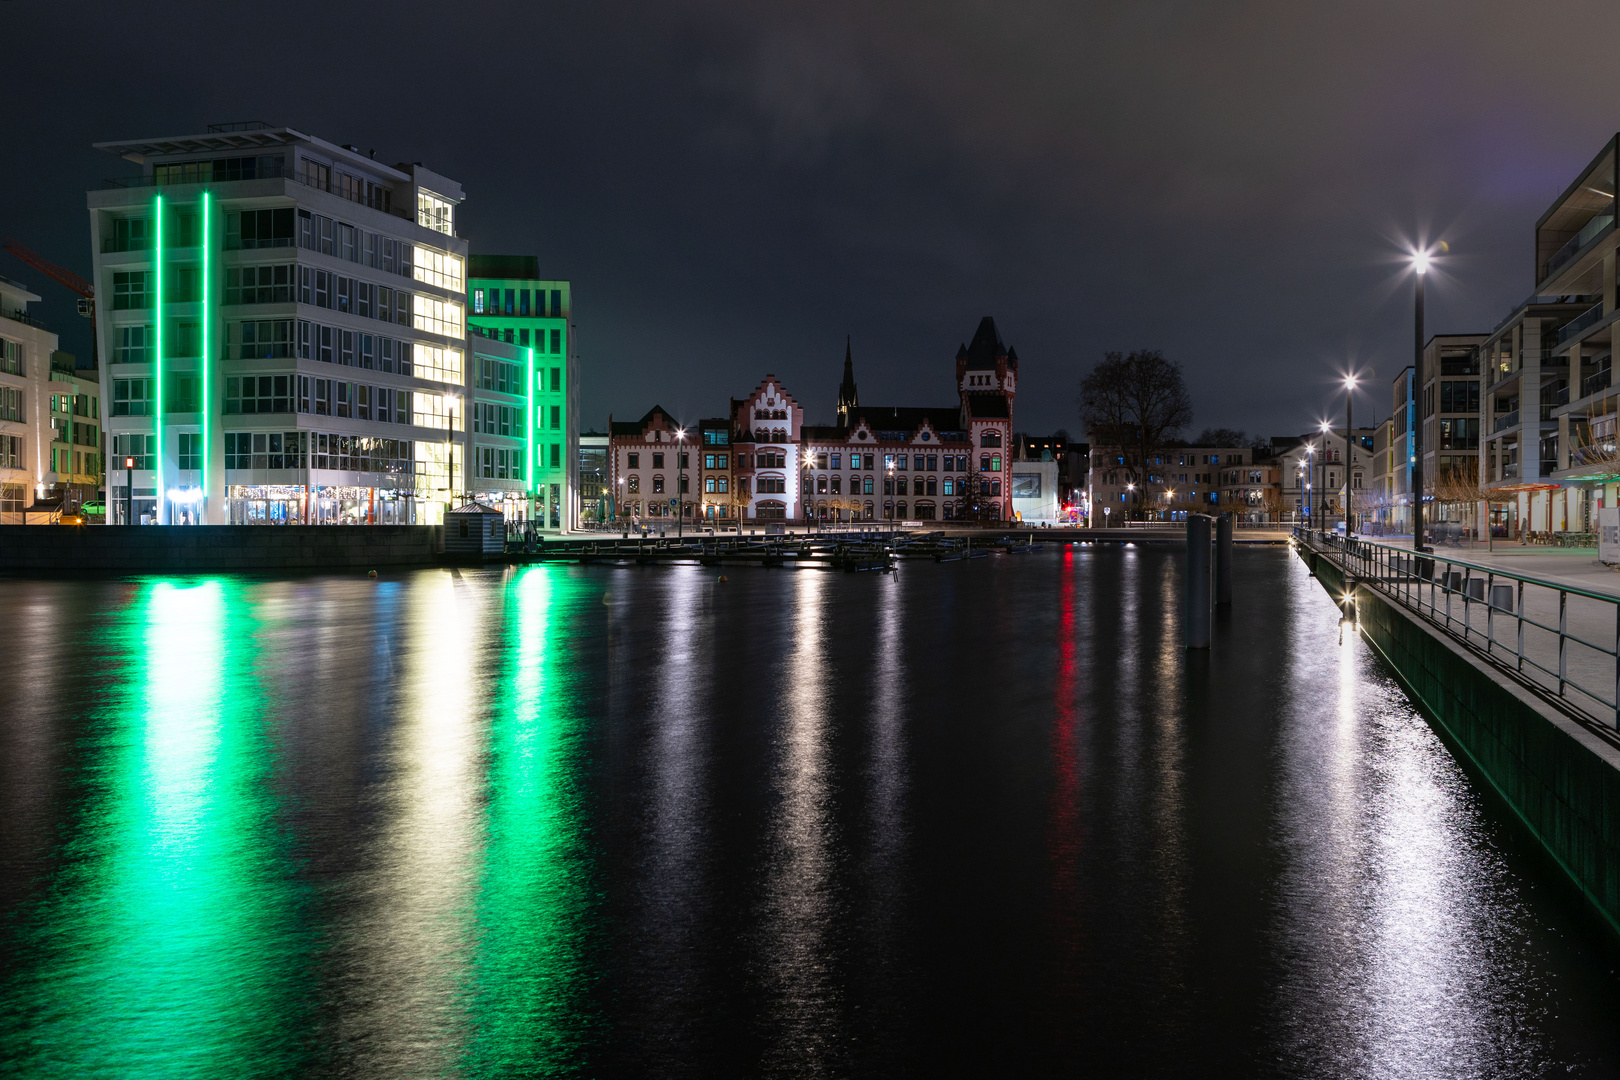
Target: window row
{"type": "Point", "coordinates": [499, 463]}
{"type": "Point", "coordinates": [363, 298]}
{"type": "Point", "coordinates": [360, 189]}
{"type": "Point", "coordinates": [12, 358]}
{"type": "Point", "coordinates": [517, 302]}
{"type": "Point", "coordinates": [316, 232]}
{"type": "Point", "coordinates": [133, 451]}
{"type": "Point", "coordinates": [520, 337]}
{"type": "Point", "coordinates": [492, 419]}
{"type": "Point", "coordinates": [499, 376]}
{"type": "Point", "coordinates": [219, 170]}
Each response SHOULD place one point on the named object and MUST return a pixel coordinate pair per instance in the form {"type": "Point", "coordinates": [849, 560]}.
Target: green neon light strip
{"type": "Point", "coordinates": [533, 421]}
{"type": "Point", "coordinates": [157, 366]}
{"type": "Point", "coordinates": [207, 330]}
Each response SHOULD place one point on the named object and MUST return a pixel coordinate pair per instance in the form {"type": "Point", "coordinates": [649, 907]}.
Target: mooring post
{"type": "Point", "coordinates": [1223, 561]}
{"type": "Point", "coordinates": [1196, 615]}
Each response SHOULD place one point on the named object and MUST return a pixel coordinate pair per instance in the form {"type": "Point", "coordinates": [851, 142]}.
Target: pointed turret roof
{"type": "Point", "coordinates": [986, 348]}
{"type": "Point", "coordinates": [847, 397]}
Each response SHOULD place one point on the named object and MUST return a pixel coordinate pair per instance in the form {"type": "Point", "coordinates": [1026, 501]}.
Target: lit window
{"type": "Point", "coordinates": [434, 211]}
{"type": "Point", "coordinates": [441, 269]}
{"type": "Point", "coordinates": [440, 365]}
{"type": "Point", "coordinates": [437, 316]}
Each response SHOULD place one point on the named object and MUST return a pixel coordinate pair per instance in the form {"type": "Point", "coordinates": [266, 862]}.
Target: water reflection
{"type": "Point", "coordinates": [168, 945]}
{"type": "Point", "coordinates": [804, 999]}
{"type": "Point", "coordinates": [530, 973]}
{"type": "Point", "coordinates": [1395, 922]}
{"type": "Point", "coordinates": [407, 942]}
{"type": "Point", "coordinates": [446, 825]}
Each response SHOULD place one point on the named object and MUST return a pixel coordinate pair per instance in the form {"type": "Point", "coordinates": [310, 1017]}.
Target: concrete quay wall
{"type": "Point", "coordinates": [180, 549]}
{"type": "Point", "coordinates": [1559, 777]}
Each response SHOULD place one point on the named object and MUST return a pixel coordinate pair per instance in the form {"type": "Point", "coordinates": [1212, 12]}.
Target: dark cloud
{"type": "Point", "coordinates": [734, 187]}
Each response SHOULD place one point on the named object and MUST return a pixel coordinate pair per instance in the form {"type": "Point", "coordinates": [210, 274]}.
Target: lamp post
{"type": "Point", "coordinates": [1349, 451]}
{"type": "Point", "coordinates": [1305, 468]}
{"type": "Point", "coordinates": [680, 479]}
{"type": "Point", "coordinates": [1420, 264]}
{"type": "Point", "coordinates": [450, 444]}
{"type": "Point", "coordinates": [1321, 465]}
{"type": "Point", "coordinates": [1130, 489]}
{"type": "Point", "coordinates": [889, 489]}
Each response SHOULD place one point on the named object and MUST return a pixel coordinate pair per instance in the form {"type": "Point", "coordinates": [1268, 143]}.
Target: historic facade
{"type": "Point", "coordinates": [876, 463]}
{"type": "Point", "coordinates": [910, 463]}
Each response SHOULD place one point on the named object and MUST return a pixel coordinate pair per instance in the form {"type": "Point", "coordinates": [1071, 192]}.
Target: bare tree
{"type": "Point", "coordinates": [1137, 403]}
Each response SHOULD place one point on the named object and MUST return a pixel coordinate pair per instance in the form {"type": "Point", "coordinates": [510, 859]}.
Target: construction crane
{"type": "Point", "coordinates": [86, 291]}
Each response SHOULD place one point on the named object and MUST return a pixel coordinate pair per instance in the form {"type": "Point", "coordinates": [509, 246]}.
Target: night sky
{"type": "Point", "coordinates": [734, 187]}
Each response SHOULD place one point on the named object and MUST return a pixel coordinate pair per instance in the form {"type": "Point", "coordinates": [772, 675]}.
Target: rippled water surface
{"type": "Point", "coordinates": [982, 817]}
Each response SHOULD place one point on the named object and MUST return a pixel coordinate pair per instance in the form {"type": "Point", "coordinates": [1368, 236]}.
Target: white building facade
{"type": "Point", "coordinates": [282, 328]}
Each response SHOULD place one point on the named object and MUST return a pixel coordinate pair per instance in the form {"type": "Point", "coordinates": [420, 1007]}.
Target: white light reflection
{"type": "Point", "coordinates": [672, 877]}
{"type": "Point", "coordinates": [804, 1008]}
{"type": "Point", "coordinates": [412, 941]}
{"type": "Point", "coordinates": [1394, 917]}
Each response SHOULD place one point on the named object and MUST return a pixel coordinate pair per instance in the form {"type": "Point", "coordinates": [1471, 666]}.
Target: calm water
{"type": "Point", "coordinates": [969, 818]}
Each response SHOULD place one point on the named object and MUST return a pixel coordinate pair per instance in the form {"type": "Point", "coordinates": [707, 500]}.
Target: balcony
{"type": "Point", "coordinates": [1506, 421]}
{"type": "Point", "coordinates": [1575, 326]}
{"type": "Point", "coordinates": [1562, 397]}
{"type": "Point", "coordinates": [1594, 383]}
{"type": "Point", "coordinates": [1589, 232]}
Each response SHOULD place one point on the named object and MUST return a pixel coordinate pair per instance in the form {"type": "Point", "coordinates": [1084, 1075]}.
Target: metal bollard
{"type": "Point", "coordinates": [1223, 561]}
{"type": "Point", "coordinates": [1196, 615]}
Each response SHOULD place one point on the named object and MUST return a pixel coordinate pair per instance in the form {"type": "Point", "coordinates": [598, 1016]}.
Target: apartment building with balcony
{"type": "Point", "coordinates": [283, 330]}
{"type": "Point", "coordinates": [50, 417]}
{"type": "Point", "coordinates": [508, 301]}
{"type": "Point", "coordinates": [1449, 395]}
{"type": "Point", "coordinates": [1524, 376]}
{"type": "Point", "coordinates": [1576, 244]}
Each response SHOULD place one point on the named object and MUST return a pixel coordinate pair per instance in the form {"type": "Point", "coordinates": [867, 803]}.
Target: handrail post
{"type": "Point", "coordinates": [1563, 627]}
{"type": "Point", "coordinates": [1520, 614]}
{"type": "Point", "coordinates": [1490, 611]}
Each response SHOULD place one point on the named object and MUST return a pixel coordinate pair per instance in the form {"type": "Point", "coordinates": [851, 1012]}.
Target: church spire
{"type": "Point", "coordinates": [847, 399]}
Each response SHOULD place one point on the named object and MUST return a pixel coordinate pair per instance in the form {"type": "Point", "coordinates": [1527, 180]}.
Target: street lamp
{"type": "Point", "coordinates": [1321, 465]}
{"type": "Point", "coordinates": [1420, 266]}
{"type": "Point", "coordinates": [450, 398]}
{"type": "Point", "coordinates": [1349, 452]}
{"type": "Point", "coordinates": [889, 490]}
{"type": "Point", "coordinates": [680, 480]}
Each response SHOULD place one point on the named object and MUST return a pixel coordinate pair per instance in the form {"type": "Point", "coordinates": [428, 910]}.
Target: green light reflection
{"type": "Point", "coordinates": [171, 950]}
{"type": "Point", "coordinates": [536, 896]}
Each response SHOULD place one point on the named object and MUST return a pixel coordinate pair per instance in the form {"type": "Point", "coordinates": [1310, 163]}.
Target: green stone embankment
{"type": "Point", "coordinates": [1560, 774]}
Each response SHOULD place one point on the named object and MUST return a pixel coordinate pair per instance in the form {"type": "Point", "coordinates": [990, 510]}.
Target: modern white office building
{"type": "Point", "coordinates": [283, 331]}
{"type": "Point", "coordinates": [50, 426]}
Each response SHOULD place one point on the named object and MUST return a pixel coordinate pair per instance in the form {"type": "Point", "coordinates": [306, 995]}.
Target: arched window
{"type": "Point", "coordinates": [868, 511]}
{"type": "Point", "coordinates": [658, 483]}
{"type": "Point", "coordinates": [990, 438]}
{"type": "Point", "coordinates": [821, 485]}
{"type": "Point", "coordinates": [635, 484]}
{"type": "Point", "coordinates": [984, 462]}
{"type": "Point", "coordinates": [837, 485]}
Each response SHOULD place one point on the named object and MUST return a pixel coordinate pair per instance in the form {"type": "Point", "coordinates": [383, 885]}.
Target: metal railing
{"type": "Point", "coordinates": [1506, 421]}
{"type": "Point", "coordinates": [1561, 641]}
{"type": "Point", "coordinates": [1580, 322]}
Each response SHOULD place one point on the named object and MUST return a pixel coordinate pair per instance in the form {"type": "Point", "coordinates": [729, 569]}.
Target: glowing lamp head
{"type": "Point", "coordinates": [1420, 261]}
{"type": "Point", "coordinates": [129, 463]}
{"type": "Point", "coordinates": [1325, 427]}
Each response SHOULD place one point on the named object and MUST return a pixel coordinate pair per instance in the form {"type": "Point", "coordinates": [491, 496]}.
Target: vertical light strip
{"type": "Point", "coordinates": [207, 402]}
{"type": "Point", "coordinates": [157, 364]}
{"type": "Point", "coordinates": [533, 422]}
